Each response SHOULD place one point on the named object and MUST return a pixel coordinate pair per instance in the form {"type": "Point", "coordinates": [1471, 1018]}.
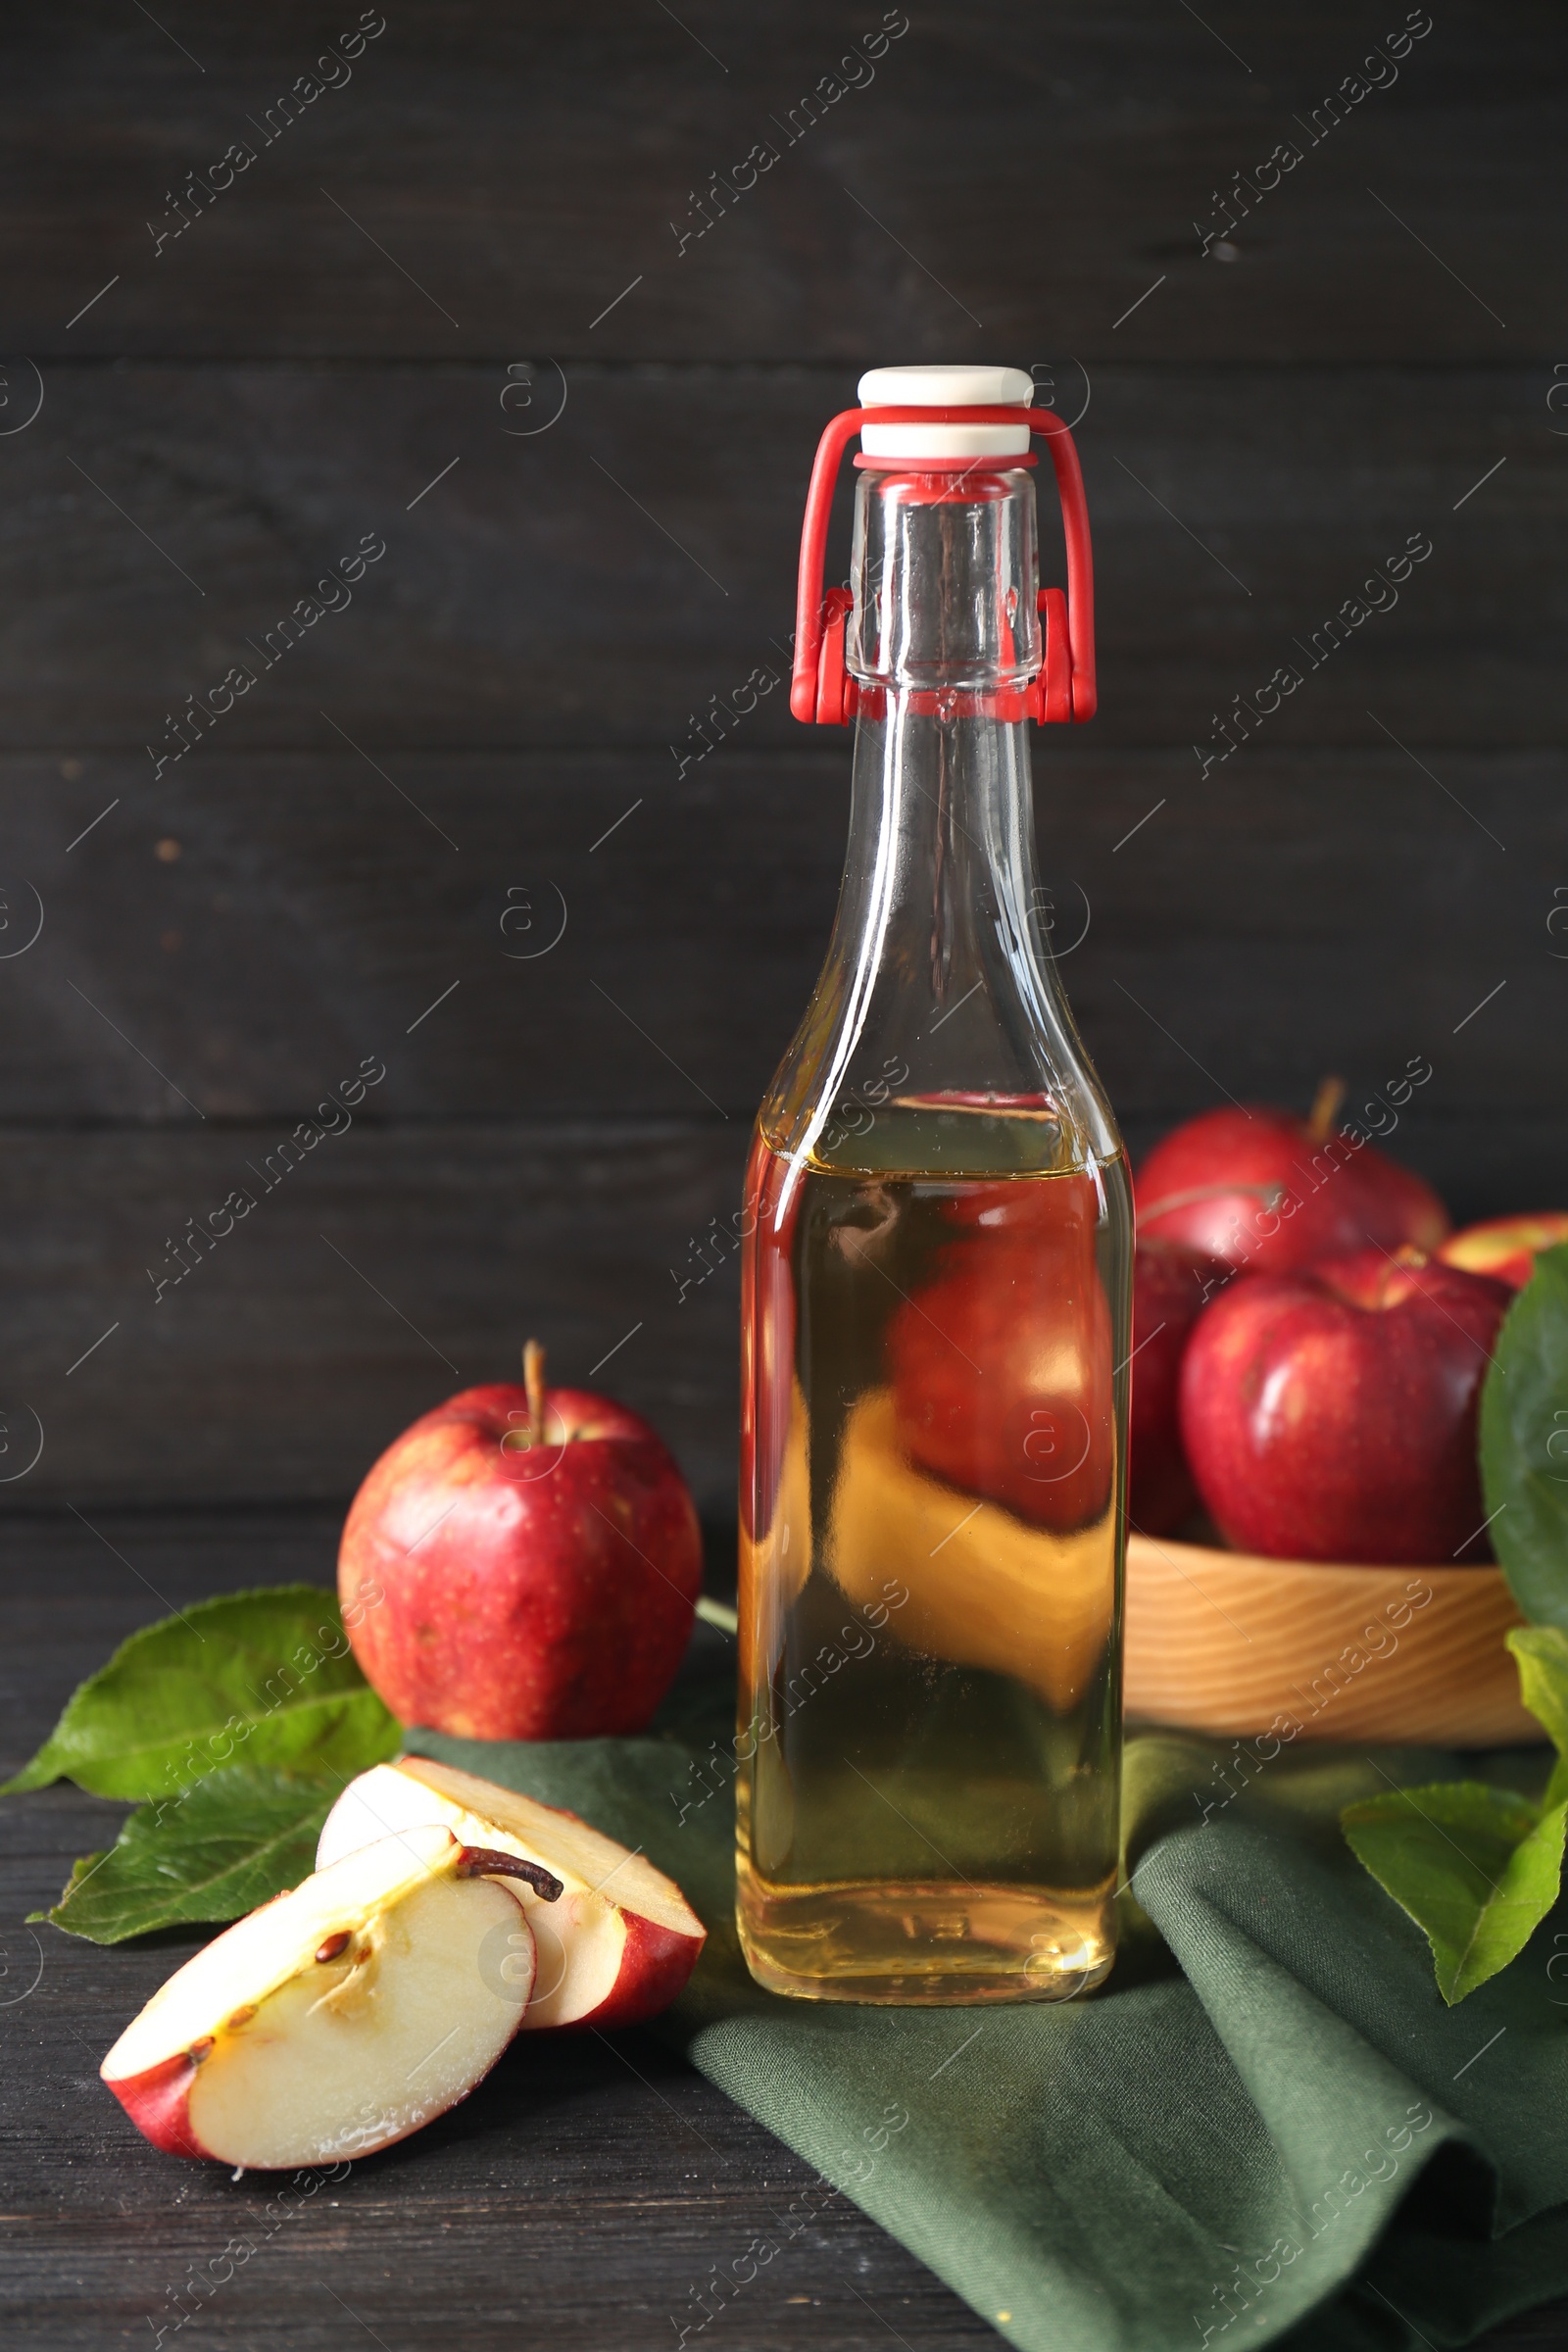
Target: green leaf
{"type": "Point", "coordinates": [1541, 1652]}
{"type": "Point", "coordinates": [265, 1678]}
{"type": "Point", "coordinates": [234, 1839]}
{"type": "Point", "coordinates": [1477, 1869]}
{"type": "Point", "coordinates": [1524, 1443]}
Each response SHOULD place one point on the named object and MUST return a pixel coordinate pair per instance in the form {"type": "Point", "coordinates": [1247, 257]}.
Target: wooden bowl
{"type": "Point", "coordinates": [1226, 1641]}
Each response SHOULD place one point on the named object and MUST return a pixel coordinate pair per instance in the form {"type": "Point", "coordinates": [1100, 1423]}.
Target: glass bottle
{"type": "Point", "coordinates": [936, 1297]}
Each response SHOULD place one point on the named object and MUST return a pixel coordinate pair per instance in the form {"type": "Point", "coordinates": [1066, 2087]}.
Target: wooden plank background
{"type": "Point", "coordinates": [460, 831]}
{"type": "Point", "coordinates": [447, 308]}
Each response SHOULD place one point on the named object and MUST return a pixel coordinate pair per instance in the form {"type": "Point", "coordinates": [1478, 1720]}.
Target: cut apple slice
{"type": "Point", "coordinates": [619, 1945]}
{"type": "Point", "coordinates": [342, 2014]}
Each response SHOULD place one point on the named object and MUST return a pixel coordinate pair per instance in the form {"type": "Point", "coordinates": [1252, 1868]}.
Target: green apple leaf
{"type": "Point", "coordinates": [1524, 1443]}
{"type": "Point", "coordinates": [1541, 1652]}
{"type": "Point", "coordinates": [1477, 1869]}
{"type": "Point", "coordinates": [266, 1678]}
{"type": "Point", "coordinates": [230, 1841]}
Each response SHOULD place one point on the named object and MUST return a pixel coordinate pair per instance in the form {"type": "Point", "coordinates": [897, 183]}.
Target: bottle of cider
{"type": "Point", "coordinates": [937, 1277]}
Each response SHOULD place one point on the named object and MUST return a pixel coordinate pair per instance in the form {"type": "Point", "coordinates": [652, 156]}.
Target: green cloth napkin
{"type": "Point", "coordinates": [1265, 2126]}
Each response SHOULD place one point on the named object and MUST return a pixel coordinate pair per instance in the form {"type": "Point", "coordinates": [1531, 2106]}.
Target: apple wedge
{"type": "Point", "coordinates": [619, 1945]}
{"type": "Point", "coordinates": [1505, 1247]}
{"type": "Point", "coordinates": [342, 2014]}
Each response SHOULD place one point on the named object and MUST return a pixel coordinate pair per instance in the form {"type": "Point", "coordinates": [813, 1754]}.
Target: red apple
{"type": "Point", "coordinates": [1170, 1289]}
{"type": "Point", "coordinates": [1001, 1364]}
{"type": "Point", "coordinates": [341, 2015]}
{"type": "Point", "coordinates": [1505, 1247]}
{"type": "Point", "coordinates": [1330, 1414]}
{"type": "Point", "coordinates": [615, 1943]}
{"type": "Point", "coordinates": [522, 1564]}
{"type": "Point", "coordinates": [1263, 1189]}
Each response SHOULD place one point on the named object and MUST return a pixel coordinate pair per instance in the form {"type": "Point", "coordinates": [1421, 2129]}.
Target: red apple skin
{"type": "Point", "coordinates": [157, 2103]}
{"type": "Point", "coordinates": [1262, 1189]}
{"type": "Point", "coordinates": [1331, 1415]}
{"type": "Point", "coordinates": [1021, 1287]}
{"type": "Point", "coordinates": [1505, 1247]}
{"type": "Point", "coordinates": [1171, 1286]}
{"type": "Point", "coordinates": [654, 1964]}
{"type": "Point", "coordinates": [542, 1594]}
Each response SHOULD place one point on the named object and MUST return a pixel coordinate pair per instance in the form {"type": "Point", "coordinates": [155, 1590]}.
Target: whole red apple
{"type": "Point", "coordinates": [522, 1564]}
{"type": "Point", "coordinates": [1002, 1362]}
{"type": "Point", "coordinates": [1170, 1289]}
{"type": "Point", "coordinates": [1506, 1247]}
{"type": "Point", "coordinates": [1330, 1414]}
{"type": "Point", "coordinates": [1260, 1188]}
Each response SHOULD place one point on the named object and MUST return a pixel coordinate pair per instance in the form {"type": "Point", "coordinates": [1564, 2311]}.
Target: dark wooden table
{"type": "Point", "coordinates": [576, 2199]}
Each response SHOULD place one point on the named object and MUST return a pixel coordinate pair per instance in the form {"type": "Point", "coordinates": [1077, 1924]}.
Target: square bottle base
{"type": "Point", "coordinates": [926, 1945]}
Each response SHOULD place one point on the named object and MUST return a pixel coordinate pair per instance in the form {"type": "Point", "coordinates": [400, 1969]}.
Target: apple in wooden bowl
{"type": "Point", "coordinates": [1328, 1415]}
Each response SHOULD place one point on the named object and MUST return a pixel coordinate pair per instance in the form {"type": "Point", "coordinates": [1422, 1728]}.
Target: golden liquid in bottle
{"type": "Point", "coordinates": [931, 1564]}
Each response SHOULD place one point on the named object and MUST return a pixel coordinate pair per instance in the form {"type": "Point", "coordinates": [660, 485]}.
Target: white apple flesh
{"type": "Point", "coordinates": [339, 2017]}
{"type": "Point", "coordinates": [618, 1946]}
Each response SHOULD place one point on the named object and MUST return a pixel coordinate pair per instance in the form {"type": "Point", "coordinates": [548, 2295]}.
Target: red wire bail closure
{"type": "Point", "coordinates": [821, 689]}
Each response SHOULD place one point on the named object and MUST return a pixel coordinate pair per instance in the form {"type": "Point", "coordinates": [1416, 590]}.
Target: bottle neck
{"type": "Point", "coordinates": [939, 1027]}
{"type": "Point", "coordinates": [941, 906]}
{"type": "Point", "coordinates": [940, 896]}
{"type": "Point", "coordinates": [945, 580]}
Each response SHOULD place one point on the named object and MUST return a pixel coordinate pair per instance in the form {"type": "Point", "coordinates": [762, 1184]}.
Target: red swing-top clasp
{"type": "Point", "coordinates": [821, 688]}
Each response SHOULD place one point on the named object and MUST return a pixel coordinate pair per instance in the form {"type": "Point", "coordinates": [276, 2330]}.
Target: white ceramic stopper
{"type": "Point", "coordinates": [934, 387]}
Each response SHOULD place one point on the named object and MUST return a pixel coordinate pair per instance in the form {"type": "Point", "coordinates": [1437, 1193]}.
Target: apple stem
{"type": "Point", "coordinates": [1325, 1107]}
{"type": "Point", "coordinates": [483, 1862]}
{"type": "Point", "coordinates": [533, 1380]}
